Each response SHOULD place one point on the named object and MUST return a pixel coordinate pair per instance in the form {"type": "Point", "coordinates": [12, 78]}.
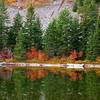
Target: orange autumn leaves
{"type": "Point", "coordinates": [36, 74]}
{"type": "Point", "coordinates": [41, 73]}
{"type": "Point", "coordinates": [10, 1]}
{"type": "Point", "coordinates": [33, 53]}
{"type": "Point", "coordinates": [40, 55]}
{"type": "Point", "coordinates": [24, 3]}
{"type": "Point", "coordinates": [75, 55]}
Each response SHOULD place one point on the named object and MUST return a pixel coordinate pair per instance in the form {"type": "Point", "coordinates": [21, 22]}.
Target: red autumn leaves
{"type": "Point", "coordinates": [40, 55]}
{"type": "Point", "coordinates": [41, 73]}
{"type": "Point", "coordinates": [33, 53]}
{"type": "Point", "coordinates": [36, 74]}
{"type": "Point", "coordinates": [75, 55]}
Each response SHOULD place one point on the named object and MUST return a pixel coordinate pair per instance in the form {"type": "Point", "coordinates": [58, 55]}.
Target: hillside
{"type": "Point", "coordinates": [35, 3]}
{"type": "Point", "coordinates": [26, 2]}
{"type": "Point", "coordinates": [46, 13]}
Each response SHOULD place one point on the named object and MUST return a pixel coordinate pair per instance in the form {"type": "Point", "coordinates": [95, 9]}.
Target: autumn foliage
{"type": "Point", "coordinates": [33, 53]}
{"type": "Point", "coordinates": [34, 74]}
{"type": "Point", "coordinates": [24, 3]}
{"type": "Point", "coordinates": [10, 1]}
{"type": "Point", "coordinates": [75, 55]}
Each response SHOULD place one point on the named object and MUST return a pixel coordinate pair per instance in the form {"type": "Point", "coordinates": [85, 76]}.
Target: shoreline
{"type": "Point", "coordinates": [68, 65]}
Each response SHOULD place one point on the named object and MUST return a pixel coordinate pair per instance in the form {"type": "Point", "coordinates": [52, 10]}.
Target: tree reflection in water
{"type": "Point", "coordinates": [53, 86]}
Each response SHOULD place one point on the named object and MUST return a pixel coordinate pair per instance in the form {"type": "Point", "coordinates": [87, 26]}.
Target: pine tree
{"type": "Point", "coordinates": [93, 46]}
{"type": "Point", "coordinates": [88, 20]}
{"type": "Point", "coordinates": [62, 35]}
{"type": "Point", "coordinates": [51, 39]}
{"type": "Point", "coordinates": [3, 22]}
{"type": "Point", "coordinates": [77, 5]}
{"type": "Point", "coordinates": [69, 27]}
{"type": "Point", "coordinates": [74, 40]}
{"type": "Point", "coordinates": [54, 43]}
{"type": "Point", "coordinates": [20, 50]}
{"type": "Point", "coordinates": [64, 29]}
{"type": "Point", "coordinates": [13, 30]}
{"type": "Point", "coordinates": [33, 30]}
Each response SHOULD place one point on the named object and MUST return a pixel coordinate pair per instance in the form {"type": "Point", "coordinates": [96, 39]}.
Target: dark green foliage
{"type": "Point", "coordinates": [66, 33]}
{"type": "Point", "coordinates": [73, 37]}
{"type": "Point", "coordinates": [51, 87]}
{"type": "Point", "coordinates": [88, 20]}
{"type": "Point", "coordinates": [14, 30]}
{"type": "Point", "coordinates": [64, 29]}
{"type": "Point", "coordinates": [25, 88]}
{"type": "Point", "coordinates": [97, 1]}
{"type": "Point", "coordinates": [89, 37]}
{"type": "Point", "coordinates": [79, 3]}
{"type": "Point", "coordinates": [33, 30]}
{"type": "Point", "coordinates": [69, 27]}
{"type": "Point", "coordinates": [91, 86]}
{"type": "Point", "coordinates": [63, 35]}
{"type": "Point", "coordinates": [56, 87]}
{"type": "Point", "coordinates": [52, 39]}
{"type": "Point", "coordinates": [75, 6]}
{"type": "Point", "coordinates": [20, 50]}
{"type": "Point", "coordinates": [3, 21]}
{"type": "Point", "coordinates": [93, 46]}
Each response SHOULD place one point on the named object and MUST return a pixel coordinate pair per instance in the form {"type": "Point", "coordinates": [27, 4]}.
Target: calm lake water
{"type": "Point", "coordinates": [21, 84]}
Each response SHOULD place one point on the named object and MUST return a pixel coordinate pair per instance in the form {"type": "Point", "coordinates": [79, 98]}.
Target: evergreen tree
{"type": "Point", "coordinates": [70, 30]}
{"type": "Point", "coordinates": [88, 20]}
{"type": "Point", "coordinates": [77, 5]}
{"type": "Point", "coordinates": [13, 30]}
{"type": "Point", "coordinates": [20, 50]}
{"type": "Point", "coordinates": [93, 46]}
{"type": "Point", "coordinates": [33, 30]}
{"type": "Point", "coordinates": [62, 35]}
{"type": "Point", "coordinates": [52, 39]}
{"type": "Point", "coordinates": [74, 40]}
{"type": "Point", "coordinates": [64, 29]}
{"type": "Point", "coordinates": [3, 22]}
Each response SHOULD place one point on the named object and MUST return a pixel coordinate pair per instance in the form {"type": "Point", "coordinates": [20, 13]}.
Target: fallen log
{"type": "Point", "coordinates": [80, 66]}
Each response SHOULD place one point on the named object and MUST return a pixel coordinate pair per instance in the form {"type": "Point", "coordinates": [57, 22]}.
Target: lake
{"type": "Point", "coordinates": [48, 84]}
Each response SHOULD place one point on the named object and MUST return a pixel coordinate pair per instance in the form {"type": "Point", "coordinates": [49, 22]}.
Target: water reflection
{"type": "Point", "coordinates": [5, 73]}
{"type": "Point", "coordinates": [18, 84]}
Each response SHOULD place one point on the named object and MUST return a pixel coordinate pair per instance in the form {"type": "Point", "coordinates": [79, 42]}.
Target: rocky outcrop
{"type": "Point", "coordinates": [26, 2]}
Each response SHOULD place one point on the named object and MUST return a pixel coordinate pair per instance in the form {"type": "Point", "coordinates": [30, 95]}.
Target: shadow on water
{"type": "Point", "coordinates": [15, 85]}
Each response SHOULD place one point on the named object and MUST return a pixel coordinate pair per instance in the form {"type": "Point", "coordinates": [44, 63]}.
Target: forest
{"type": "Point", "coordinates": [66, 37]}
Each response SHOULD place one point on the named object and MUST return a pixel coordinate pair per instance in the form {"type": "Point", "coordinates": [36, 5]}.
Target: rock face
{"type": "Point", "coordinates": [45, 13]}
{"type": "Point", "coordinates": [34, 2]}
